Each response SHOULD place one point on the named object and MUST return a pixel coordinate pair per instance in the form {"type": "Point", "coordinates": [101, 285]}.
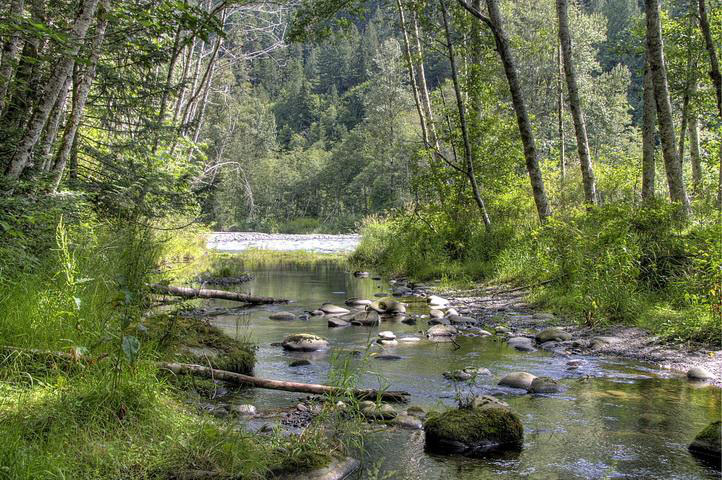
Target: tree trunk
{"type": "Point", "coordinates": [51, 131]}
{"type": "Point", "coordinates": [315, 389]}
{"type": "Point", "coordinates": [80, 96]}
{"type": "Point", "coordinates": [61, 71]}
{"type": "Point", "coordinates": [648, 128]}
{"type": "Point", "coordinates": [575, 104]}
{"type": "Point", "coordinates": [188, 292]}
{"type": "Point", "coordinates": [468, 152]}
{"type": "Point", "coordinates": [10, 52]}
{"type": "Point", "coordinates": [695, 156]}
{"type": "Point", "coordinates": [423, 87]}
{"type": "Point", "coordinates": [412, 74]}
{"type": "Point", "coordinates": [560, 117]}
{"type": "Point", "coordinates": [672, 163]}
{"type": "Point", "coordinates": [716, 76]}
{"type": "Point", "coordinates": [690, 79]}
{"type": "Point", "coordinates": [495, 23]}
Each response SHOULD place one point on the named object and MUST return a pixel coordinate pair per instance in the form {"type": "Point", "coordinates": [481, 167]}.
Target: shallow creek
{"type": "Point", "coordinates": [616, 418]}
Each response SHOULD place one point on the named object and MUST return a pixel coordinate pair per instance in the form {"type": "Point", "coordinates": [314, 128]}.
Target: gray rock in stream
{"type": "Point", "coordinates": [304, 342]}
{"type": "Point", "coordinates": [409, 422]}
{"type": "Point", "coordinates": [699, 374]}
{"type": "Point", "coordinates": [282, 316]}
{"type": "Point", "coordinates": [544, 385]}
{"type": "Point", "coordinates": [518, 380]}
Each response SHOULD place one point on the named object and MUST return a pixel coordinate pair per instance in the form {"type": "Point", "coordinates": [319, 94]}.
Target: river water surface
{"type": "Point", "coordinates": [615, 419]}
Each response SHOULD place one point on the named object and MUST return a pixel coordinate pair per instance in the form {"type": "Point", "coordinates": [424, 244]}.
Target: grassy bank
{"type": "Point", "coordinates": [611, 265]}
{"type": "Point", "coordinates": [99, 407]}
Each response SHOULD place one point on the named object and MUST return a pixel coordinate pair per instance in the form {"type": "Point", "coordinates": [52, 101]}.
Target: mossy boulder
{"type": "Point", "coordinates": [474, 431]}
{"type": "Point", "coordinates": [707, 443]}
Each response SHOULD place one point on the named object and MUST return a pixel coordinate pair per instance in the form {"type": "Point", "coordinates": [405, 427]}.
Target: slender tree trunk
{"type": "Point", "coordinates": [560, 116]}
{"type": "Point", "coordinates": [649, 121]}
{"type": "Point", "coordinates": [61, 71]}
{"type": "Point", "coordinates": [689, 80]}
{"type": "Point", "coordinates": [10, 52]}
{"type": "Point", "coordinates": [575, 104]}
{"type": "Point", "coordinates": [423, 87]}
{"type": "Point", "coordinates": [716, 76]}
{"type": "Point", "coordinates": [495, 23]}
{"type": "Point", "coordinates": [468, 152]}
{"type": "Point", "coordinates": [672, 163]}
{"type": "Point", "coordinates": [412, 74]}
{"type": "Point", "coordinates": [51, 131]}
{"type": "Point", "coordinates": [695, 156]}
{"type": "Point", "coordinates": [80, 96]}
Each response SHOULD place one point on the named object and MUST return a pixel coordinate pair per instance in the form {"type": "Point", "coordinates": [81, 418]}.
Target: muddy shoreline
{"type": "Point", "coordinates": [500, 306]}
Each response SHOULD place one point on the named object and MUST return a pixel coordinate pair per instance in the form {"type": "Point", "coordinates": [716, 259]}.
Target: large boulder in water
{"type": "Point", "coordinates": [304, 342]}
{"type": "Point", "coordinates": [707, 443]}
{"type": "Point", "coordinates": [282, 316]}
{"type": "Point", "coordinates": [392, 306]}
{"type": "Point", "coordinates": [544, 385]}
{"type": "Point", "coordinates": [474, 431]}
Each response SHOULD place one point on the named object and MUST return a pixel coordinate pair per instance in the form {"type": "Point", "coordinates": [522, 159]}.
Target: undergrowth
{"type": "Point", "coordinates": [616, 264]}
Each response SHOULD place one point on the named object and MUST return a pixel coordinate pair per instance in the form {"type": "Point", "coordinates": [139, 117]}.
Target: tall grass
{"type": "Point", "coordinates": [613, 264]}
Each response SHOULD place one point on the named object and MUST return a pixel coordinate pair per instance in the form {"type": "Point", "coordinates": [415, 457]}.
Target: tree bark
{"type": "Point", "coordinates": [315, 389]}
{"type": "Point", "coordinates": [695, 155]}
{"type": "Point", "coordinates": [10, 52]}
{"type": "Point", "coordinates": [21, 157]}
{"type": "Point", "coordinates": [648, 128]}
{"type": "Point", "coordinates": [468, 152]}
{"type": "Point", "coordinates": [673, 166]}
{"type": "Point", "coordinates": [423, 87]}
{"type": "Point", "coordinates": [690, 79]}
{"type": "Point", "coordinates": [716, 76]}
{"type": "Point", "coordinates": [495, 23]}
{"type": "Point", "coordinates": [560, 117]}
{"type": "Point", "coordinates": [188, 292]}
{"type": "Point", "coordinates": [575, 104]}
{"type": "Point", "coordinates": [51, 131]}
{"type": "Point", "coordinates": [80, 96]}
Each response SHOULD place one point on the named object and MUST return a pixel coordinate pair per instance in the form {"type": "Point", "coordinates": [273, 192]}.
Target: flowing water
{"type": "Point", "coordinates": [616, 418]}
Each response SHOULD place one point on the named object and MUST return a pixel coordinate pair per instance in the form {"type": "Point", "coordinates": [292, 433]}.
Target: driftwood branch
{"type": "Point", "coordinates": [240, 379]}
{"type": "Point", "coordinates": [188, 292]}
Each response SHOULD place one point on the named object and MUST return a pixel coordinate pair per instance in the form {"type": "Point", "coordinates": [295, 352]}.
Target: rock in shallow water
{"type": "Point", "coordinates": [244, 409]}
{"type": "Point", "coordinates": [282, 316]}
{"type": "Point", "coordinates": [331, 309]}
{"type": "Point", "coordinates": [544, 385]}
{"type": "Point", "coordinates": [708, 442]}
{"type": "Point", "coordinates": [380, 412]}
{"type": "Point", "coordinates": [474, 431]}
{"type": "Point", "coordinates": [553, 334]}
{"type": "Point", "coordinates": [299, 363]}
{"type": "Point", "coordinates": [337, 322]}
{"type": "Point", "coordinates": [409, 422]}
{"type": "Point", "coordinates": [304, 342]}
{"type": "Point", "coordinates": [699, 373]}
{"type": "Point", "coordinates": [518, 380]}
{"type": "Point", "coordinates": [387, 335]}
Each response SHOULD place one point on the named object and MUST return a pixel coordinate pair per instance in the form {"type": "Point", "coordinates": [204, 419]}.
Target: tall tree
{"type": "Point", "coordinates": [23, 150]}
{"type": "Point", "coordinates": [468, 151]}
{"type": "Point", "coordinates": [672, 164]}
{"type": "Point", "coordinates": [580, 129]}
{"type": "Point", "coordinates": [10, 50]}
{"type": "Point", "coordinates": [495, 23]}
{"type": "Point", "coordinates": [649, 120]}
{"type": "Point", "coordinates": [716, 76]}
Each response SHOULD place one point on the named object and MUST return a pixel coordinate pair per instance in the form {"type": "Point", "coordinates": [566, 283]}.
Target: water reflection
{"type": "Point", "coordinates": [615, 418]}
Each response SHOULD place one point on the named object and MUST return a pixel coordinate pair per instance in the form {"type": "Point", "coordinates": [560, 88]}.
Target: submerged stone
{"type": "Point", "coordinates": [544, 385]}
{"type": "Point", "coordinates": [299, 363]}
{"type": "Point", "coordinates": [707, 442]}
{"type": "Point", "coordinates": [282, 316]}
{"type": "Point", "coordinates": [474, 431]}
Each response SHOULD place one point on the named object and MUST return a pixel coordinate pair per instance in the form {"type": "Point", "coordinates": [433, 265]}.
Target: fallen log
{"type": "Point", "coordinates": [188, 292]}
{"type": "Point", "coordinates": [240, 379]}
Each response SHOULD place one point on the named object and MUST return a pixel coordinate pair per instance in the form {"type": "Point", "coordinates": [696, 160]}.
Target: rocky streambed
{"type": "Point", "coordinates": [586, 411]}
